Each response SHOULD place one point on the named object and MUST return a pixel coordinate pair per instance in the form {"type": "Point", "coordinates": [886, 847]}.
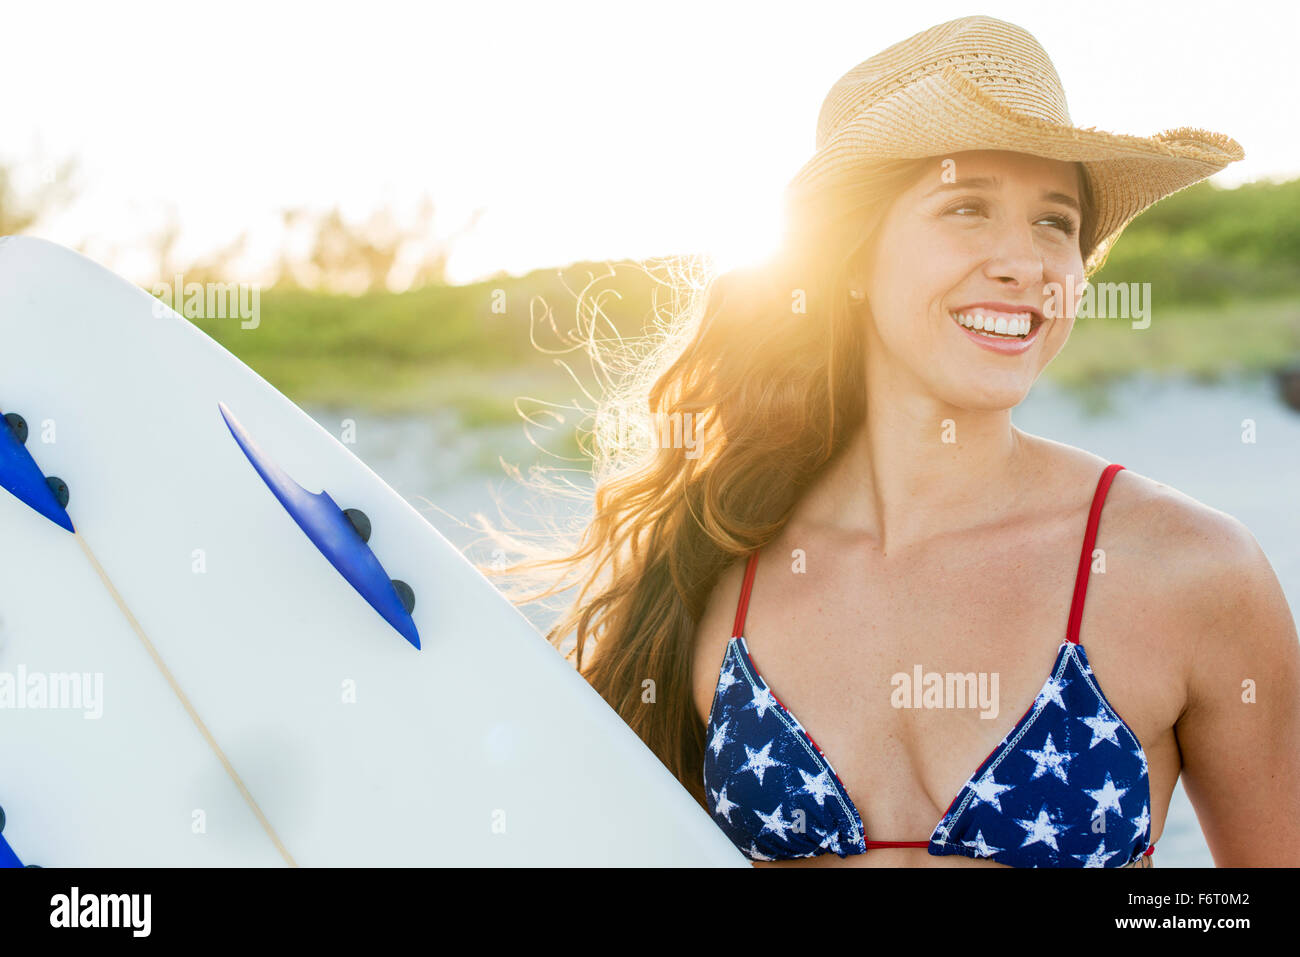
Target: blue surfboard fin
{"type": "Point", "coordinates": [332, 533]}
{"type": "Point", "coordinates": [7, 856]}
{"type": "Point", "coordinates": [22, 477]}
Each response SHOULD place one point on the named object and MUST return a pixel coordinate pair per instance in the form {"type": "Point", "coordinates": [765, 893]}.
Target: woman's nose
{"type": "Point", "coordinates": [1014, 257]}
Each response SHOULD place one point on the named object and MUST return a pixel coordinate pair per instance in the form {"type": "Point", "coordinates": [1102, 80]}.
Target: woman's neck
{"type": "Point", "coordinates": [919, 468]}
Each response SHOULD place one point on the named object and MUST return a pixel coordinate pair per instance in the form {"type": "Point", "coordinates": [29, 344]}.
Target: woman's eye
{"type": "Point", "coordinates": [1064, 223]}
{"type": "Point", "coordinates": [966, 209]}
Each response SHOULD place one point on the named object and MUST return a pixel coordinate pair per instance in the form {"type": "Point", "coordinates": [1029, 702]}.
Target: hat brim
{"type": "Point", "coordinates": [946, 112]}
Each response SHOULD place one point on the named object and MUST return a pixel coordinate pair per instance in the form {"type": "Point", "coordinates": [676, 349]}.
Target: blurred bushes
{"type": "Point", "coordinates": [1207, 245]}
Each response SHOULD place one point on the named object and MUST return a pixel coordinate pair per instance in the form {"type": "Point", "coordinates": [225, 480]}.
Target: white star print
{"type": "Point", "coordinates": [830, 842]}
{"type": "Point", "coordinates": [734, 732]}
{"type": "Point", "coordinates": [719, 738]}
{"type": "Point", "coordinates": [1103, 728]}
{"type": "Point", "coordinates": [1107, 796]}
{"type": "Point", "coordinates": [1049, 759]}
{"type": "Point", "coordinates": [1141, 756]}
{"type": "Point", "coordinates": [759, 761]}
{"type": "Point", "coordinates": [1051, 693]}
{"type": "Point", "coordinates": [1040, 829]}
{"type": "Point", "coordinates": [818, 787]}
{"type": "Point", "coordinates": [723, 806]}
{"type": "Point", "coordinates": [987, 790]}
{"type": "Point", "coordinates": [775, 823]}
{"type": "Point", "coordinates": [727, 679]}
{"type": "Point", "coordinates": [1097, 858]}
{"type": "Point", "coordinates": [761, 701]}
{"type": "Point", "coordinates": [981, 849]}
{"type": "Point", "coordinates": [1140, 823]}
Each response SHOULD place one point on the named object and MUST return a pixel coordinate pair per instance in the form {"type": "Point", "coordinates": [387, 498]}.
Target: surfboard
{"type": "Point", "coordinates": [224, 641]}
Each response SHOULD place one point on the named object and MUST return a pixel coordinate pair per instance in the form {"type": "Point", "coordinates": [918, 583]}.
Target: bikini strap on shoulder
{"type": "Point", "coordinates": [1085, 557]}
{"type": "Point", "coordinates": [738, 628]}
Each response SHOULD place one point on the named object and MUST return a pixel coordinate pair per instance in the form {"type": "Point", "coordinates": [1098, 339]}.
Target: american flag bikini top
{"type": "Point", "coordinates": [1067, 786]}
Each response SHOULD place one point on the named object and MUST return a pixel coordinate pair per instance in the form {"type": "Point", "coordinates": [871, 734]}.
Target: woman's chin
{"type": "Point", "coordinates": [983, 396]}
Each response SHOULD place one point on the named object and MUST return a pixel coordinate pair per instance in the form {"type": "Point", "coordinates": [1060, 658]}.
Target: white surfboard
{"type": "Point", "coordinates": [214, 668]}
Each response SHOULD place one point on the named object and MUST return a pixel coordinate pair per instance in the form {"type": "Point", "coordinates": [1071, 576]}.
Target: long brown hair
{"type": "Point", "coordinates": [764, 368]}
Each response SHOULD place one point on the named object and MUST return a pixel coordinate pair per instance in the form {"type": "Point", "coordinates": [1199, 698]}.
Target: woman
{"type": "Point", "coordinates": [849, 503]}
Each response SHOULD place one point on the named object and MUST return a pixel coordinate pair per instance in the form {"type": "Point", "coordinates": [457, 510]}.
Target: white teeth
{"type": "Point", "coordinates": [998, 323]}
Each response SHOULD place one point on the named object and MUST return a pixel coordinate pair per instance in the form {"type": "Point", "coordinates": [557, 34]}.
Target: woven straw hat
{"type": "Point", "coordinates": [977, 83]}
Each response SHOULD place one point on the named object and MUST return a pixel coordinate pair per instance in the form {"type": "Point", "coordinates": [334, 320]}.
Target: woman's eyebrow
{"type": "Point", "coordinates": [1064, 200]}
{"type": "Point", "coordinates": [992, 182]}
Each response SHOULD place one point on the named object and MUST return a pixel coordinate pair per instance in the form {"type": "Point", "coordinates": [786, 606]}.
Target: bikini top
{"type": "Point", "coordinates": [1067, 786]}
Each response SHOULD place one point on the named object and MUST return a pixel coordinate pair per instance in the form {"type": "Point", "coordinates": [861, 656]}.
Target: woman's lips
{"type": "Point", "coordinates": [1001, 344]}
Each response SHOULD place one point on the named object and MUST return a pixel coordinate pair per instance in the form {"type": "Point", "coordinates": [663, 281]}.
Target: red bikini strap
{"type": "Point", "coordinates": [736, 629]}
{"type": "Point", "coordinates": [1085, 558]}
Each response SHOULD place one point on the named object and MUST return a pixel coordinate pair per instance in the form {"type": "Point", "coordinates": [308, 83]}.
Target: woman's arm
{"type": "Point", "coordinates": [1239, 733]}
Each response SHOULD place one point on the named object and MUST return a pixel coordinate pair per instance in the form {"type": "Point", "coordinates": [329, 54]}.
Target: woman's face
{"type": "Point", "coordinates": [979, 236]}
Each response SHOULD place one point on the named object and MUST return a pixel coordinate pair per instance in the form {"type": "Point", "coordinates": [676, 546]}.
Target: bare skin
{"type": "Point", "coordinates": [961, 557]}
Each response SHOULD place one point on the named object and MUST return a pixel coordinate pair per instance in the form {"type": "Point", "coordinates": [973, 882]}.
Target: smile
{"type": "Point", "coordinates": [999, 327]}
{"type": "Point", "coordinates": [1006, 325]}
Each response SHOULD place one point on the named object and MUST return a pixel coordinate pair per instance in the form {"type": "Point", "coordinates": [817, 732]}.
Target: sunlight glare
{"type": "Point", "coordinates": [749, 238]}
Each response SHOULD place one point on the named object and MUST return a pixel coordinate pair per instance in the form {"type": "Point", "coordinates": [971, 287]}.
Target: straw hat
{"type": "Point", "coordinates": [977, 83]}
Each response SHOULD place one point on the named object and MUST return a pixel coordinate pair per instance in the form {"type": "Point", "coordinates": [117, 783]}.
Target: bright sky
{"type": "Point", "coordinates": [585, 130]}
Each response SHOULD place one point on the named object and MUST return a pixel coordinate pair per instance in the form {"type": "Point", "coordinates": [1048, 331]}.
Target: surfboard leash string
{"type": "Point", "coordinates": [194, 715]}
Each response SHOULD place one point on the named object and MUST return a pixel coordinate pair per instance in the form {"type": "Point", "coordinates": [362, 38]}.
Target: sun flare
{"type": "Point", "coordinates": [748, 239]}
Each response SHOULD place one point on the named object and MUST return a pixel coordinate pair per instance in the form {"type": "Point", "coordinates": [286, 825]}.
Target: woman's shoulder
{"type": "Point", "coordinates": [1194, 578]}
{"type": "Point", "coordinates": [1192, 545]}
{"type": "Point", "coordinates": [1216, 576]}
{"type": "Point", "coordinates": [1182, 533]}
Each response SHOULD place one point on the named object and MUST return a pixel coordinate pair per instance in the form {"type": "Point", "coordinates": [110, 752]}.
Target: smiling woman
{"type": "Point", "coordinates": [974, 255]}
{"type": "Point", "coordinates": [850, 406]}
{"type": "Point", "coordinates": [993, 322]}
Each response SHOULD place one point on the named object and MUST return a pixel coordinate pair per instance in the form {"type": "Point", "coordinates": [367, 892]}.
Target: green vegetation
{"type": "Point", "coordinates": [476, 348]}
{"type": "Point", "coordinates": [1224, 268]}
{"type": "Point", "coordinates": [1206, 342]}
{"type": "Point", "coordinates": [1207, 245]}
